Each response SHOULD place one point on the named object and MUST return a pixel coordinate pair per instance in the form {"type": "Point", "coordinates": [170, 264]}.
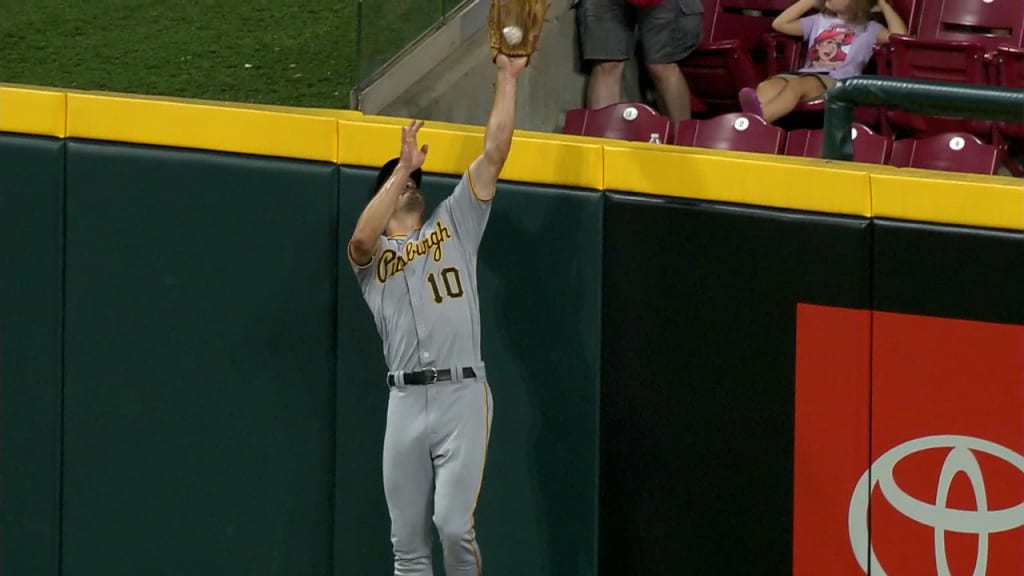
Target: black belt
{"type": "Point", "coordinates": [429, 376]}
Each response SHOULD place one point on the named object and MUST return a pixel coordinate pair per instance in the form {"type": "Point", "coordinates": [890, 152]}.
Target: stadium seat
{"type": "Point", "coordinates": [868, 147]}
{"type": "Point", "coordinates": [954, 43]}
{"type": "Point", "coordinates": [1009, 66]}
{"type": "Point", "coordinates": [951, 151]}
{"type": "Point", "coordinates": [632, 121]}
{"type": "Point", "coordinates": [732, 54]}
{"type": "Point", "coordinates": [732, 131]}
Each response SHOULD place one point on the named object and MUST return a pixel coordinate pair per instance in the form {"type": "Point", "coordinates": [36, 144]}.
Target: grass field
{"type": "Point", "coordinates": [288, 52]}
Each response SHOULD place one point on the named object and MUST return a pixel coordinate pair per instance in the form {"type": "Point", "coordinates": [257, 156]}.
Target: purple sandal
{"type": "Point", "coordinates": [749, 102]}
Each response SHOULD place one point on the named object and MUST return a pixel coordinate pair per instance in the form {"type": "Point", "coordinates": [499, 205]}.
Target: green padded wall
{"type": "Point", "coordinates": [540, 287]}
{"type": "Point", "coordinates": [31, 269]}
{"type": "Point", "coordinates": [949, 271]}
{"type": "Point", "coordinates": [199, 363]}
{"type": "Point", "coordinates": [698, 380]}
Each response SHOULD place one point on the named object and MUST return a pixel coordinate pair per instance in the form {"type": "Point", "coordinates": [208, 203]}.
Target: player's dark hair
{"type": "Point", "coordinates": [385, 172]}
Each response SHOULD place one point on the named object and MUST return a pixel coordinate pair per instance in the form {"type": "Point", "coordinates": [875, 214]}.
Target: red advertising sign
{"type": "Point", "coordinates": [909, 447]}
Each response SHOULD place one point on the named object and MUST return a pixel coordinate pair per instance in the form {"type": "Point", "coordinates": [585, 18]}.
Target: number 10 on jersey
{"type": "Point", "coordinates": [450, 282]}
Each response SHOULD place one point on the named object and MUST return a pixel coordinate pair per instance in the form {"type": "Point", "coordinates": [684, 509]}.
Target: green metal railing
{"type": "Point", "coordinates": [915, 96]}
{"type": "Point", "coordinates": [385, 27]}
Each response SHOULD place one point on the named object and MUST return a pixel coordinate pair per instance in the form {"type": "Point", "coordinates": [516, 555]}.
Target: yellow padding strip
{"type": "Point", "coordinates": [949, 198]}
{"type": "Point", "coordinates": [535, 160]}
{"type": "Point", "coordinates": [29, 111]}
{"type": "Point", "coordinates": [371, 144]}
{"type": "Point", "coordinates": [301, 111]}
{"type": "Point", "coordinates": [204, 127]}
{"type": "Point", "coordinates": [773, 181]}
{"type": "Point", "coordinates": [427, 124]}
{"type": "Point", "coordinates": [554, 162]}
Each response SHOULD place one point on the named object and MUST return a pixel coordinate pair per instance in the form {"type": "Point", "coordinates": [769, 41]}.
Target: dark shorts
{"type": "Point", "coordinates": [668, 33]}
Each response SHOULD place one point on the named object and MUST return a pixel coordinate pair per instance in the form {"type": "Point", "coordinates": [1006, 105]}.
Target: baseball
{"type": "Point", "coordinates": [513, 34]}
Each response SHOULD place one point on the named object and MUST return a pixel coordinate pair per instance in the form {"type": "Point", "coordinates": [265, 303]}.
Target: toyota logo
{"type": "Point", "coordinates": [981, 522]}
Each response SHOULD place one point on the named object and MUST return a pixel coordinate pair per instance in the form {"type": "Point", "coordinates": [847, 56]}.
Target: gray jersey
{"type": "Point", "coordinates": [421, 289]}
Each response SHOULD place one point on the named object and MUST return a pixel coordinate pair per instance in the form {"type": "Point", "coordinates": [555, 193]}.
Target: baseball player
{"type": "Point", "coordinates": [419, 279]}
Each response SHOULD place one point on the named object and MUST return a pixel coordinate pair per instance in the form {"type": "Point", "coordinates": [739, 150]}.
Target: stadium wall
{"type": "Point", "coordinates": [695, 354]}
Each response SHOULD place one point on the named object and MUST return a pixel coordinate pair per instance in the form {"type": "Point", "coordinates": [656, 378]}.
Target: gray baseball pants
{"type": "Point", "coordinates": [435, 448]}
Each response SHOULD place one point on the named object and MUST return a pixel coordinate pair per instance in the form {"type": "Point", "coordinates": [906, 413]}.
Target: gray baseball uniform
{"type": "Point", "coordinates": [422, 292]}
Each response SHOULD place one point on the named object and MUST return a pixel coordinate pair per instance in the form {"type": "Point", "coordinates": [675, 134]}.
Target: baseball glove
{"type": "Point", "coordinates": [515, 25]}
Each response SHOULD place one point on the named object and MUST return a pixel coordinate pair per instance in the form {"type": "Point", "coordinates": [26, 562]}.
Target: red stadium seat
{"type": "Point", "coordinates": [733, 131]}
{"type": "Point", "coordinates": [632, 121]}
{"type": "Point", "coordinates": [988, 23]}
{"type": "Point", "coordinates": [952, 151]}
{"type": "Point", "coordinates": [954, 43]}
{"type": "Point", "coordinates": [868, 147]}
{"type": "Point", "coordinates": [912, 13]}
{"type": "Point", "coordinates": [1009, 66]}
{"type": "Point", "coordinates": [733, 53]}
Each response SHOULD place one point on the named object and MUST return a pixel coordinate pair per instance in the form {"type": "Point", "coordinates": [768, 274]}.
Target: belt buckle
{"type": "Point", "coordinates": [433, 375]}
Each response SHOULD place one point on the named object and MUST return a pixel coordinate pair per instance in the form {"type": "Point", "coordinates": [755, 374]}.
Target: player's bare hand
{"type": "Point", "coordinates": [413, 155]}
{"type": "Point", "coordinates": [512, 66]}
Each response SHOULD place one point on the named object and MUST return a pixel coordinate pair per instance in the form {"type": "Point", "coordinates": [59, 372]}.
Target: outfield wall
{"type": "Point", "coordinates": [695, 354]}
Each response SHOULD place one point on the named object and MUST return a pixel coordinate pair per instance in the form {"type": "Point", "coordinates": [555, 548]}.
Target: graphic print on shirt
{"type": "Point", "coordinates": [830, 47]}
{"type": "Point", "coordinates": [392, 262]}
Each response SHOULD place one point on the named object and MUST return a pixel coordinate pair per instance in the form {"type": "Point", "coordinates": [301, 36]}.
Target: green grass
{"type": "Point", "coordinates": [388, 25]}
{"type": "Point", "coordinates": [285, 52]}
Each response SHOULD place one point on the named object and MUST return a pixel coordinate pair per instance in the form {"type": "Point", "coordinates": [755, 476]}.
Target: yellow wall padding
{"type": "Point", "coordinates": [536, 160]}
{"type": "Point", "coordinates": [31, 111]}
{"type": "Point", "coordinates": [773, 181]}
{"type": "Point", "coordinates": [164, 123]}
{"type": "Point", "coordinates": [352, 138]}
{"type": "Point", "coordinates": [548, 161]}
{"type": "Point", "coordinates": [948, 198]}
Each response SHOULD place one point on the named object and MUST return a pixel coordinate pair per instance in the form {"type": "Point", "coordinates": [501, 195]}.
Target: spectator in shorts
{"type": "Point", "coordinates": [840, 37]}
{"type": "Point", "coordinates": [669, 30]}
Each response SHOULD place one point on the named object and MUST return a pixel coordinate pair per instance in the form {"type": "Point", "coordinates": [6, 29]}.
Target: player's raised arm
{"type": "Point", "coordinates": [374, 219]}
{"type": "Point", "coordinates": [485, 169]}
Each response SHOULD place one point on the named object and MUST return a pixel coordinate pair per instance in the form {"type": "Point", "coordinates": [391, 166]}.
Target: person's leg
{"type": "Point", "coordinates": [669, 33]}
{"type": "Point", "coordinates": [606, 40]}
{"type": "Point", "coordinates": [604, 87]}
{"type": "Point", "coordinates": [751, 99]}
{"type": "Point", "coordinates": [461, 417]}
{"type": "Point", "coordinates": [770, 88]}
{"type": "Point", "coordinates": [409, 481]}
{"type": "Point", "coordinates": [796, 91]}
{"type": "Point", "coordinates": [673, 91]}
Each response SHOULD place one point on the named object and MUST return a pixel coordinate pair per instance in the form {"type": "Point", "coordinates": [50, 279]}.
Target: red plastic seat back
{"type": "Point", "coordinates": [632, 121]}
{"type": "Point", "coordinates": [733, 53]}
{"type": "Point", "coordinates": [951, 46]}
{"type": "Point", "coordinates": [803, 142]}
{"type": "Point", "coordinates": [910, 11]}
{"type": "Point", "coordinates": [868, 147]}
{"type": "Point", "coordinates": [952, 151]}
{"type": "Point", "coordinates": [736, 131]}
{"type": "Point", "coordinates": [1009, 63]}
{"type": "Point", "coordinates": [953, 38]}
{"type": "Point", "coordinates": [744, 20]}
{"type": "Point", "coordinates": [990, 23]}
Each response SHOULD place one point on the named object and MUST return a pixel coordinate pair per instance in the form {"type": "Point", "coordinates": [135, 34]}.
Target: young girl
{"type": "Point", "coordinates": [840, 40]}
